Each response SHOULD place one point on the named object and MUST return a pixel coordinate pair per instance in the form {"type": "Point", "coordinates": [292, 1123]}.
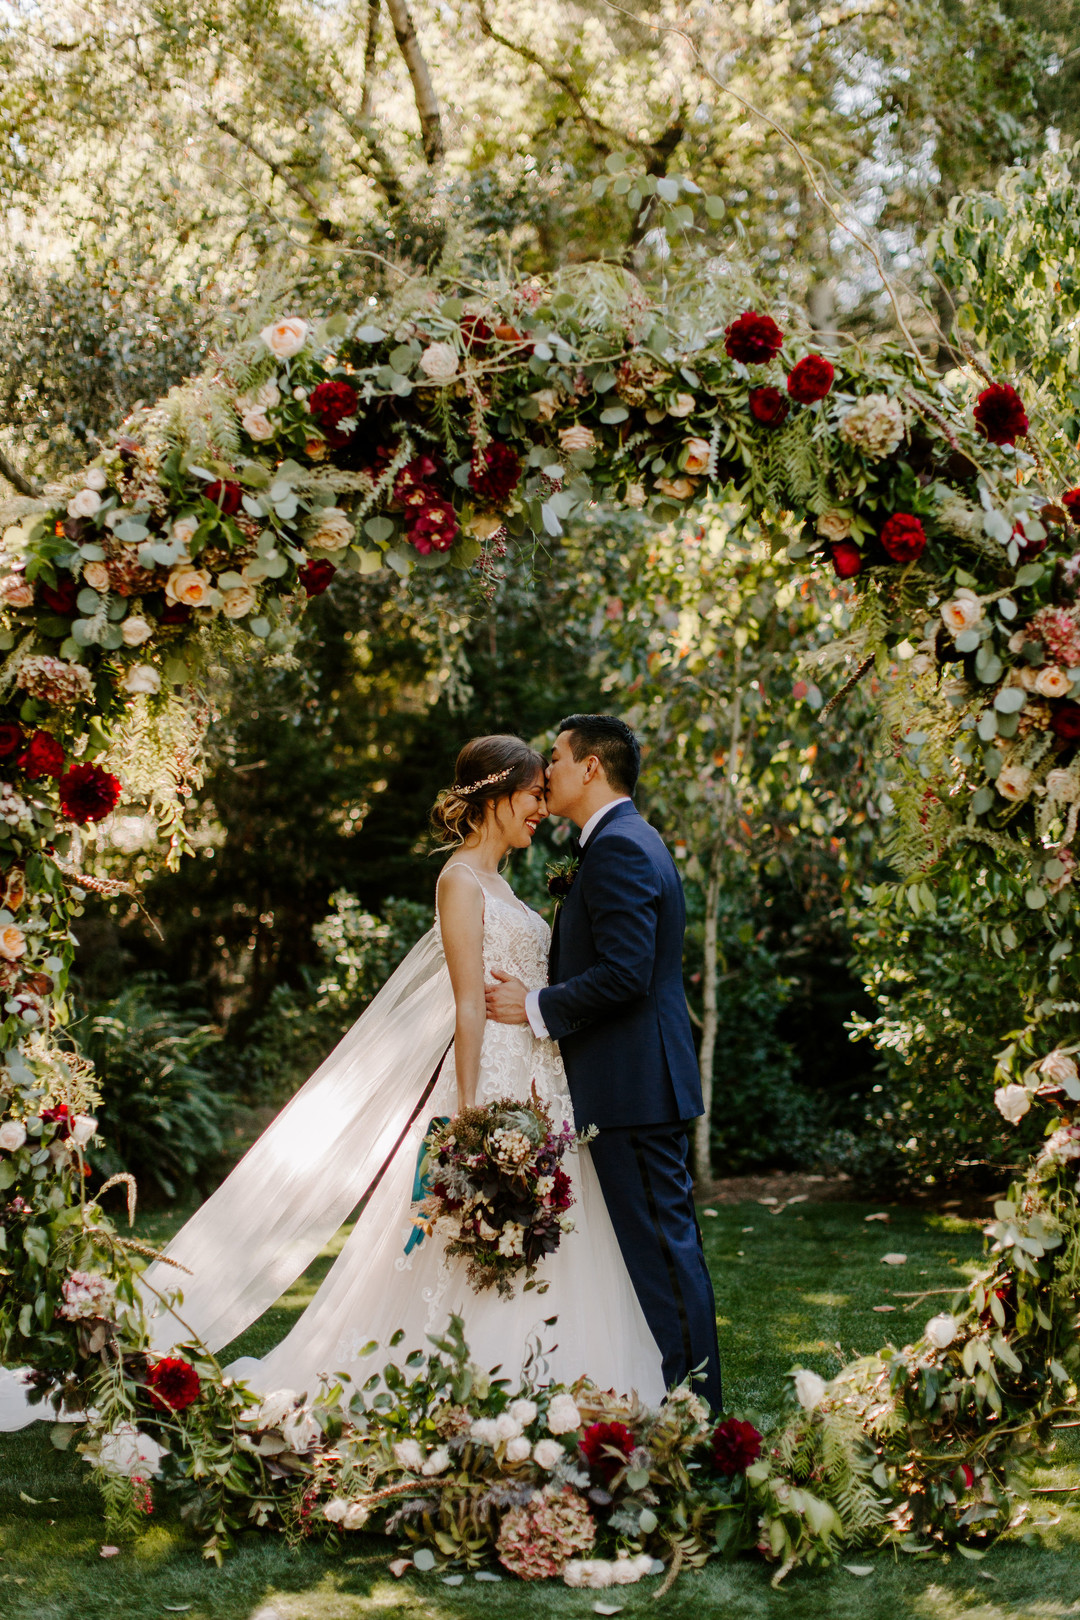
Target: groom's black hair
{"type": "Point", "coordinates": [613, 743]}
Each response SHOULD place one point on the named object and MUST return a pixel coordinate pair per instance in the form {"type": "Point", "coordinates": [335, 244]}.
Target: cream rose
{"type": "Point", "coordinates": [563, 1415]}
{"type": "Point", "coordinates": [135, 630]}
{"type": "Point", "coordinates": [437, 1463]}
{"type": "Point", "coordinates": [1012, 1102]}
{"type": "Point", "coordinates": [237, 601]}
{"type": "Point", "coordinates": [96, 576]}
{"type": "Point", "coordinates": [439, 362]}
{"type": "Point", "coordinates": [83, 1127]}
{"type": "Point", "coordinates": [548, 1453]}
{"type": "Point", "coordinates": [257, 425]}
{"type": "Point", "coordinates": [184, 529]}
{"type": "Point", "coordinates": [1014, 782]}
{"type": "Point", "coordinates": [507, 1426]}
{"type": "Point", "coordinates": [484, 1432]}
{"type": "Point", "coordinates": [547, 403]}
{"type": "Point", "coordinates": [523, 1412]}
{"type": "Point", "coordinates": [286, 337]}
{"type": "Point", "coordinates": [577, 437]}
{"type": "Point", "coordinates": [12, 1135]}
{"type": "Point", "coordinates": [95, 478]}
{"type": "Point", "coordinates": [697, 455]}
{"type": "Point", "coordinates": [267, 395]}
{"type": "Point", "coordinates": [834, 525]}
{"type": "Point", "coordinates": [407, 1454]}
{"type": "Point", "coordinates": [12, 943]}
{"type": "Point", "coordinates": [680, 489]}
{"type": "Point", "coordinates": [333, 531]}
{"type": "Point", "coordinates": [962, 612]}
{"type": "Point", "coordinates": [189, 585]}
{"type": "Point", "coordinates": [809, 1389]}
{"type": "Point", "coordinates": [301, 1431]}
{"type": "Point", "coordinates": [142, 680]}
{"type": "Point", "coordinates": [356, 1516]}
{"type": "Point", "coordinates": [336, 1509]}
{"type": "Point", "coordinates": [635, 496]}
{"type": "Point", "coordinates": [16, 591]}
{"type": "Point", "coordinates": [1063, 786]}
{"type": "Point", "coordinates": [85, 504]}
{"type": "Point", "coordinates": [681, 405]}
{"type": "Point", "coordinates": [941, 1330]}
{"type": "Point", "coordinates": [1060, 1068]}
{"type": "Point", "coordinates": [1052, 682]}
{"type": "Point", "coordinates": [519, 1450]}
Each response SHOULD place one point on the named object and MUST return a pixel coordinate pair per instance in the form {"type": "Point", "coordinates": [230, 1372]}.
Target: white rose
{"type": "Point", "coordinates": [407, 1454]}
{"type": "Point", "coordinates": [95, 478]}
{"type": "Point", "coordinates": [548, 1454]}
{"type": "Point", "coordinates": [1060, 1068]}
{"type": "Point", "coordinates": [599, 1573]}
{"type": "Point", "coordinates": [85, 504]}
{"type": "Point", "coordinates": [507, 1427]}
{"type": "Point", "coordinates": [189, 585]}
{"type": "Point", "coordinates": [356, 1517]}
{"type": "Point", "coordinates": [184, 529]}
{"type": "Point", "coordinates": [547, 402]}
{"type": "Point", "coordinates": [437, 1463]}
{"type": "Point", "coordinates": [333, 531]}
{"type": "Point", "coordinates": [135, 630]}
{"type": "Point", "coordinates": [126, 1450]}
{"type": "Point", "coordinates": [286, 337]}
{"type": "Point", "coordinates": [962, 612]}
{"type": "Point", "coordinates": [142, 680]}
{"type": "Point", "coordinates": [941, 1330]}
{"type": "Point", "coordinates": [1053, 682]}
{"type": "Point", "coordinates": [12, 1135]}
{"type": "Point", "coordinates": [1063, 785]}
{"type": "Point", "coordinates": [834, 525]}
{"type": "Point", "coordinates": [681, 405]}
{"type": "Point", "coordinates": [809, 1389]}
{"type": "Point", "coordinates": [300, 1430]}
{"type": "Point", "coordinates": [96, 575]}
{"type": "Point", "coordinates": [1013, 1102]}
{"type": "Point", "coordinates": [563, 1415]}
{"type": "Point", "coordinates": [1014, 782]}
{"type": "Point", "coordinates": [273, 1408]}
{"type": "Point", "coordinates": [524, 1412]}
{"type": "Point", "coordinates": [439, 361]}
{"type": "Point", "coordinates": [336, 1509]}
{"type": "Point", "coordinates": [237, 601]}
{"type": "Point", "coordinates": [268, 395]}
{"type": "Point", "coordinates": [83, 1127]}
{"type": "Point", "coordinates": [574, 1573]}
{"type": "Point", "coordinates": [518, 1450]}
{"type": "Point", "coordinates": [635, 496]}
{"type": "Point", "coordinates": [484, 1431]}
{"type": "Point", "coordinates": [299, 394]}
{"type": "Point", "coordinates": [257, 425]}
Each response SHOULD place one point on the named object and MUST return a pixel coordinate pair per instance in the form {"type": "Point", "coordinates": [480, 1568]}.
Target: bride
{"type": "Point", "coordinates": [351, 1136]}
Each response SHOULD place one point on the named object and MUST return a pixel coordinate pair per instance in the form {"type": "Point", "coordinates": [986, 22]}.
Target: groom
{"type": "Point", "coordinates": [616, 1006]}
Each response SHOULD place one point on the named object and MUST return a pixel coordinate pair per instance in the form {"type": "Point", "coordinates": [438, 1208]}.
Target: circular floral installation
{"type": "Point", "coordinates": [440, 432]}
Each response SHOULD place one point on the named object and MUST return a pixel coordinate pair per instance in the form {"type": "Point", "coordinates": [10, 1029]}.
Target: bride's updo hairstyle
{"type": "Point", "coordinates": [488, 769]}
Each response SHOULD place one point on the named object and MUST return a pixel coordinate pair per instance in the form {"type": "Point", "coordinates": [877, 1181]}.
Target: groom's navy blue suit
{"type": "Point", "coordinates": [616, 1006]}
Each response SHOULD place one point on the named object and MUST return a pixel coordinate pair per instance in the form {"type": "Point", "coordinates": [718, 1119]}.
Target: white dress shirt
{"type": "Point", "coordinates": [532, 1000]}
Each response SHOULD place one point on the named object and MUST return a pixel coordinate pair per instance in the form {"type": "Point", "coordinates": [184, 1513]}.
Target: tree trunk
{"type": "Point", "coordinates": [709, 1022]}
{"type": "Point", "coordinates": [427, 103]}
{"type": "Point", "coordinates": [18, 479]}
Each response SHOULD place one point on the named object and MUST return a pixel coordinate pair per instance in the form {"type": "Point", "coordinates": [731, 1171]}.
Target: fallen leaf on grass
{"type": "Point", "coordinates": [768, 1200]}
{"type": "Point", "coordinates": [36, 1501]}
{"type": "Point", "coordinates": [881, 1309]}
{"type": "Point", "coordinates": [176, 1608]}
{"type": "Point", "coordinates": [714, 1214]}
{"type": "Point", "coordinates": [109, 1552]}
{"type": "Point", "coordinates": [881, 1216]}
{"type": "Point", "coordinates": [607, 1608]}
{"type": "Point", "coordinates": [486, 1575]}
{"type": "Point", "coordinates": [985, 1575]}
{"type": "Point", "coordinates": [747, 1228]}
{"type": "Point", "coordinates": [452, 1580]}
{"type": "Point", "coordinates": [894, 1259]}
{"type": "Point", "coordinates": [859, 1569]}
{"type": "Point", "coordinates": [398, 1566]}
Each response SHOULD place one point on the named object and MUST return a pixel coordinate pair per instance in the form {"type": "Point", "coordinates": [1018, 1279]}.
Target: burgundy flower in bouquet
{"type": "Point", "coordinates": [1071, 502]}
{"type": "Point", "coordinates": [495, 473]}
{"type": "Point", "coordinates": [60, 597]}
{"type": "Point", "coordinates": [60, 1116]}
{"type": "Point", "coordinates": [87, 793]}
{"type": "Point", "coordinates": [11, 737]}
{"type": "Point", "coordinates": [753, 339]}
{"type": "Point", "coordinates": [332, 403]}
{"type": "Point", "coordinates": [735, 1445]}
{"type": "Point", "coordinates": [225, 493]}
{"type": "Point", "coordinates": [173, 1384]}
{"type": "Point", "coordinates": [810, 379]}
{"type": "Point", "coordinates": [433, 526]}
{"type": "Point", "coordinates": [174, 613]}
{"type": "Point", "coordinates": [1000, 414]}
{"type": "Point", "coordinates": [475, 332]}
{"type": "Point", "coordinates": [847, 559]}
{"type": "Point", "coordinates": [903, 538]}
{"type": "Point", "coordinates": [412, 484]}
{"type": "Point", "coordinates": [606, 1448]}
{"type": "Point", "coordinates": [768, 405]}
{"type": "Point", "coordinates": [1027, 548]}
{"type": "Point", "coordinates": [316, 576]}
{"type": "Point", "coordinates": [43, 756]}
{"type": "Point", "coordinates": [1065, 722]}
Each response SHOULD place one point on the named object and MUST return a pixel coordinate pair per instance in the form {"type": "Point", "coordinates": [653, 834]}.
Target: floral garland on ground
{"type": "Point", "coordinates": [439, 434]}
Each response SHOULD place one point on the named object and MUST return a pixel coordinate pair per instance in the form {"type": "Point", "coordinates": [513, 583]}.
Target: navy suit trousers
{"type": "Point", "coordinates": [645, 1179]}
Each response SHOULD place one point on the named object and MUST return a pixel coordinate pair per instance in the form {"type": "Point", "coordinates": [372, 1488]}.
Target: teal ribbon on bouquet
{"type": "Point", "coordinates": [422, 1177]}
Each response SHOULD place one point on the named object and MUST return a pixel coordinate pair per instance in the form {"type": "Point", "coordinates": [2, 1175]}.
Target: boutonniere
{"type": "Point", "coordinates": [561, 875]}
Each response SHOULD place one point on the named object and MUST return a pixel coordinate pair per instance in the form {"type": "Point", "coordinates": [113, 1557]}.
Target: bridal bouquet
{"type": "Point", "coordinates": [493, 1177]}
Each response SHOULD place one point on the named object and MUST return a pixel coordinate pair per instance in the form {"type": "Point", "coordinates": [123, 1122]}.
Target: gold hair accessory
{"type": "Point", "coordinates": [488, 781]}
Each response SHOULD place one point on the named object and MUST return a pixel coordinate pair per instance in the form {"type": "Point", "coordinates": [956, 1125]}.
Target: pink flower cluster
{"type": "Point", "coordinates": [538, 1540]}
{"type": "Point", "coordinates": [1059, 632]}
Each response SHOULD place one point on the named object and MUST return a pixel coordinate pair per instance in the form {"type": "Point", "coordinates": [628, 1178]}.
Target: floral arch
{"type": "Point", "coordinates": [433, 433]}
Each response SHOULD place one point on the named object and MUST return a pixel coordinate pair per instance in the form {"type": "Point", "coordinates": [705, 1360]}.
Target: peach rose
{"type": "Point", "coordinates": [1014, 782]}
{"type": "Point", "coordinates": [439, 362]}
{"type": "Point", "coordinates": [85, 504]}
{"type": "Point", "coordinates": [95, 478]}
{"type": "Point", "coordinates": [834, 525]}
{"type": "Point", "coordinates": [96, 576]}
{"type": "Point", "coordinates": [286, 337]}
{"type": "Point", "coordinates": [962, 612]}
{"type": "Point", "coordinates": [547, 403]}
{"type": "Point", "coordinates": [697, 455]}
{"type": "Point", "coordinates": [1052, 682]}
{"type": "Point", "coordinates": [333, 531]}
{"type": "Point", "coordinates": [184, 529]}
{"type": "Point", "coordinates": [142, 680]}
{"type": "Point", "coordinates": [135, 630]}
{"type": "Point", "coordinates": [257, 425]}
{"type": "Point", "coordinates": [12, 943]}
{"type": "Point", "coordinates": [237, 601]}
{"type": "Point", "coordinates": [635, 496]}
{"type": "Point", "coordinates": [189, 585]}
{"type": "Point", "coordinates": [577, 437]}
{"type": "Point", "coordinates": [680, 489]}
{"type": "Point", "coordinates": [16, 591]}
{"type": "Point", "coordinates": [1063, 785]}
{"type": "Point", "coordinates": [682, 405]}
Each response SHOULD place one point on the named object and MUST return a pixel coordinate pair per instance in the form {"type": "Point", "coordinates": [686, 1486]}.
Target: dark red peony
{"type": "Point", "coordinates": [1071, 502]}
{"type": "Point", "coordinates": [475, 332]}
{"type": "Point", "coordinates": [1065, 722]}
{"type": "Point", "coordinates": [562, 1193]}
{"type": "Point", "coordinates": [61, 597]}
{"type": "Point", "coordinates": [1000, 414]}
{"type": "Point", "coordinates": [173, 1384]}
{"type": "Point", "coordinates": [87, 793]}
{"type": "Point", "coordinates": [1026, 549]}
{"type": "Point", "coordinates": [735, 1445]}
{"type": "Point", "coordinates": [411, 483]}
{"type": "Point", "coordinates": [810, 379]}
{"type": "Point", "coordinates": [768, 405]}
{"type": "Point", "coordinates": [316, 576]}
{"type": "Point", "coordinates": [495, 473]}
{"type": "Point", "coordinates": [174, 613]}
{"type": "Point", "coordinates": [433, 526]}
{"type": "Point", "coordinates": [225, 493]}
{"type": "Point", "coordinates": [847, 559]}
{"type": "Point", "coordinates": [11, 737]}
{"type": "Point", "coordinates": [903, 538]}
{"type": "Point", "coordinates": [332, 403]}
{"type": "Point", "coordinates": [607, 1448]}
{"type": "Point", "coordinates": [752, 338]}
{"type": "Point", "coordinates": [43, 756]}
{"type": "Point", "coordinates": [60, 1116]}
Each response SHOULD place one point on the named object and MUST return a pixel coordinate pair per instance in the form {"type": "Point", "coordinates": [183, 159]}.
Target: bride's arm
{"type": "Point", "coordinates": [461, 915]}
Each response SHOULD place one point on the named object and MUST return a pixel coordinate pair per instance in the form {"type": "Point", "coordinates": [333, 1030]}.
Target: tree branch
{"type": "Point", "coordinates": [326, 228]}
{"type": "Point", "coordinates": [370, 43]}
{"type": "Point", "coordinates": [601, 134]}
{"type": "Point", "coordinates": [427, 102]}
{"type": "Point", "coordinates": [23, 484]}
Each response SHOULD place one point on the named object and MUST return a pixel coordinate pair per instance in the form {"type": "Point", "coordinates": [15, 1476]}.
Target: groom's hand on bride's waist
{"type": "Point", "coordinates": [506, 999]}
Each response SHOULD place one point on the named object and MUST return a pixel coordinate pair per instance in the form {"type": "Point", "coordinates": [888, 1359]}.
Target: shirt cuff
{"type": "Point", "coordinates": [532, 1013]}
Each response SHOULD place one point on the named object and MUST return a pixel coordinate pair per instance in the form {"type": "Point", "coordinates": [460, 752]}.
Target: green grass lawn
{"type": "Point", "coordinates": [797, 1287]}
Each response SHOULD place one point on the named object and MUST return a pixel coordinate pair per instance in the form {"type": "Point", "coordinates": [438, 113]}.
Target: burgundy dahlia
{"type": "Point", "coordinates": [752, 338]}
{"type": "Point", "coordinates": [768, 405]}
{"type": "Point", "coordinates": [225, 493]}
{"type": "Point", "coordinates": [495, 473]}
{"type": "Point", "coordinates": [11, 737]}
{"type": "Point", "coordinates": [316, 576]}
{"type": "Point", "coordinates": [43, 756]}
{"type": "Point", "coordinates": [60, 1116]}
{"type": "Point", "coordinates": [174, 613]}
{"type": "Point", "coordinates": [847, 559]}
{"type": "Point", "coordinates": [475, 332]}
{"type": "Point", "coordinates": [173, 1384]}
{"type": "Point", "coordinates": [1071, 502]}
{"type": "Point", "coordinates": [433, 526]}
{"type": "Point", "coordinates": [60, 597]}
{"type": "Point", "coordinates": [411, 483]}
{"type": "Point", "coordinates": [903, 538]}
{"type": "Point", "coordinates": [1026, 549]}
{"type": "Point", "coordinates": [87, 793]}
{"type": "Point", "coordinates": [735, 1445]}
{"type": "Point", "coordinates": [1000, 414]}
{"type": "Point", "coordinates": [332, 403]}
{"type": "Point", "coordinates": [607, 1448]}
{"type": "Point", "coordinates": [810, 379]}
{"type": "Point", "coordinates": [1065, 723]}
